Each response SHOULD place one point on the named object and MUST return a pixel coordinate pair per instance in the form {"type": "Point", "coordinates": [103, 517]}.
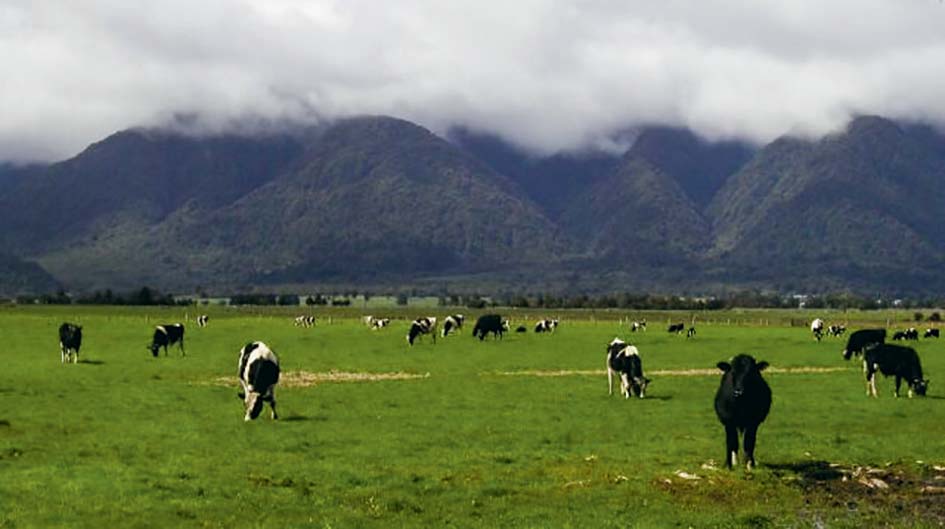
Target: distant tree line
{"type": "Point", "coordinates": [142, 296]}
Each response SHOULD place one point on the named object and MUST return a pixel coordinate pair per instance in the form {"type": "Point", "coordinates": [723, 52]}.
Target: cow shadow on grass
{"type": "Point", "coordinates": [91, 362]}
{"type": "Point", "coordinates": [295, 418]}
{"type": "Point", "coordinates": [809, 471]}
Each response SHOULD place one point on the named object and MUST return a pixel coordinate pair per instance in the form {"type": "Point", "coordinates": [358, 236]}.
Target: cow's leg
{"type": "Point", "coordinates": [750, 435]}
{"type": "Point", "coordinates": [62, 352]}
{"type": "Point", "coordinates": [731, 446]}
{"type": "Point", "coordinates": [181, 344]}
{"type": "Point", "coordinates": [610, 380]}
{"type": "Point", "coordinates": [898, 385]}
{"type": "Point", "coordinates": [75, 356]}
{"type": "Point", "coordinates": [625, 385]}
{"type": "Point", "coordinates": [272, 404]}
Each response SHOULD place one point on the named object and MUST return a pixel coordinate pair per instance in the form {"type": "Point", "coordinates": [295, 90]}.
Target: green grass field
{"type": "Point", "coordinates": [126, 440]}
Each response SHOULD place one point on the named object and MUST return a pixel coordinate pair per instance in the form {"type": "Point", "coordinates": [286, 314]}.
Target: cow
{"type": "Point", "coordinates": [490, 323]}
{"type": "Point", "coordinates": [930, 333]}
{"type": "Point", "coordinates": [368, 320]}
{"type": "Point", "coordinates": [304, 321]}
{"type": "Point", "coordinates": [167, 334]}
{"type": "Point", "coordinates": [836, 330]}
{"type": "Point", "coordinates": [624, 359]}
{"type": "Point", "coordinates": [817, 328]}
{"type": "Point", "coordinates": [862, 339]}
{"type": "Point", "coordinates": [258, 373]}
{"type": "Point", "coordinates": [691, 333]}
{"type": "Point", "coordinates": [899, 336]}
{"type": "Point", "coordinates": [453, 323]}
{"type": "Point", "coordinates": [676, 328]}
{"type": "Point", "coordinates": [379, 323]}
{"type": "Point", "coordinates": [421, 326]}
{"type": "Point", "coordinates": [912, 333]}
{"type": "Point", "coordinates": [546, 325]}
{"type": "Point", "coordinates": [70, 340]}
{"type": "Point", "coordinates": [742, 403]}
{"type": "Point", "coordinates": [202, 320]}
{"type": "Point", "coordinates": [521, 328]}
{"type": "Point", "coordinates": [894, 360]}
{"type": "Point", "coordinates": [638, 326]}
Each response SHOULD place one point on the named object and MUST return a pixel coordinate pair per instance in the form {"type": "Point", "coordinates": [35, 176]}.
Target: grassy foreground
{"type": "Point", "coordinates": [127, 440]}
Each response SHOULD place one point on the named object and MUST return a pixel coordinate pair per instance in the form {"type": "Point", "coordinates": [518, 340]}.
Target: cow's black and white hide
{"type": "Point", "coordinates": [912, 333]}
{"type": "Point", "coordinates": [379, 323]}
{"type": "Point", "coordinates": [836, 330]}
{"type": "Point", "coordinates": [546, 325]}
{"type": "Point", "coordinates": [676, 328]}
{"type": "Point", "coordinates": [860, 340]}
{"type": "Point", "coordinates": [691, 332]}
{"type": "Point", "coordinates": [202, 320]}
{"type": "Point", "coordinates": [490, 323]}
{"type": "Point", "coordinates": [742, 403]}
{"type": "Point", "coordinates": [304, 321]}
{"type": "Point", "coordinates": [894, 360]}
{"type": "Point", "coordinates": [165, 335]}
{"type": "Point", "coordinates": [899, 336]}
{"type": "Point", "coordinates": [421, 326]}
{"type": "Point", "coordinates": [70, 340]}
{"type": "Point", "coordinates": [258, 373]}
{"type": "Point", "coordinates": [624, 359]}
{"type": "Point", "coordinates": [638, 326]}
{"type": "Point", "coordinates": [368, 320]}
{"type": "Point", "coordinates": [931, 333]}
{"type": "Point", "coordinates": [817, 328]}
{"type": "Point", "coordinates": [453, 323]}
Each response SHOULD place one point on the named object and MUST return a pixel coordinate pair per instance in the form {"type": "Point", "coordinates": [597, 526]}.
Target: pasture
{"type": "Point", "coordinates": [512, 433]}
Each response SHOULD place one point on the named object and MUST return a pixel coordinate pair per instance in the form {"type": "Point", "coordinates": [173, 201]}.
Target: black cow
{"type": "Point", "coordinates": [860, 340]}
{"type": "Point", "coordinates": [202, 320]}
{"type": "Point", "coordinates": [421, 326]}
{"type": "Point", "coordinates": [931, 333]}
{"type": "Point", "coordinates": [167, 334]}
{"type": "Point", "coordinates": [546, 325]}
{"type": "Point", "coordinates": [521, 328]}
{"type": "Point", "coordinates": [453, 323]}
{"type": "Point", "coordinates": [742, 403]}
{"type": "Point", "coordinates": [894, 360]}
{"type": "Point", "coordinates": [624, 359]}
{"type": "Point", "coordinates": [259, 374]}
{"type": "Point", "coordinates": [490, 323]}
{"type": "Point", "coordinates": [676, 328]}
{"type": "Point", "coordinates": [70, 340]}
{"type": "Point", "coordinates": [691, 333]}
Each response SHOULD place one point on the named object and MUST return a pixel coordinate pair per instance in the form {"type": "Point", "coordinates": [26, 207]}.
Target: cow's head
{"type": "Point", "coordinates": [742, 369]}
{"type": "Point", "coordinates": [920, 386]}
{"type": "Point", "coordinates": [638, 386]}
{"type": "Point", "coordinates": [153, 347]}
{"type": "Point", "coordinates": [253, 403]}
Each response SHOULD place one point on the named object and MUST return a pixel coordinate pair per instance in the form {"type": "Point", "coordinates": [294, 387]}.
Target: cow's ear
{"type": "Point", "coordinates": [762, 365]}
{"type": "Point", "coordinates": [724, 366]}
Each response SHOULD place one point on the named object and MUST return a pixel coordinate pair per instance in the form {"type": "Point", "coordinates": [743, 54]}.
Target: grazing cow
{"type": "Point", "coordinates": [70, 340]}
{"type": "Point", "coordinates": [691, 333]}
{"type": "Point", "coordinates": [546, 325]}
{"type": "Point", "coordinates": [817, 328]}
{"type": "Point", "coordinates": [490, 323]}
{"type": "Point", "coordinates": [379, 323]}
{"type": "Point", "coordinates": [912, 333]}
{"type": "Point", "coordinates": [304, 321]}
{"type": "Point", "coordinates": [624, 359]}
{"type": "Point", "coordinates": [836, 330]}
{"type": "Point", "coordinates": [742, 403]}
{"type": "Point", "coordinates": [421, 326]}
{"type": "Point", "coordinates": [638, 326]}
{"type": "Point", "coordinates": [453, 323]}
{"type": "Point", "coordinates": [894, 360]}
{"type": "Point", "coordinates": [167, 334]}
{"type": "Point", "coordinates": [521, 328]}
{"type": "Point", "coordinates": [368, 320]}
{"type": "Point", "coordinates": [931, 333]}
{"type": "Point", "coordinates": [898, 336]}
{"type": "Point", "coordinates": [676, 328]}
{"type": "Point", "coordinates": [860, 340]}
{"type": "Point", "coordinates": [202, 320]}
{"type": "Point", "coordinates": [259, 374]}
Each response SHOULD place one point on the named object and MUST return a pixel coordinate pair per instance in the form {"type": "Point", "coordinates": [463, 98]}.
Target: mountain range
{"type": "Point", "coordinates": [381, 201]}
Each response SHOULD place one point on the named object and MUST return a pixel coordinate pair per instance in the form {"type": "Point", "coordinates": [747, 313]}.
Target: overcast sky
{"type": "Point", "coordinates": [546, 75]}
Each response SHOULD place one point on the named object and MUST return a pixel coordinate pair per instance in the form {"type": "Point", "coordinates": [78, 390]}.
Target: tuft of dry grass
{"type": "Point", "coordinates": [304, 379]}
{"type": "Point", "coordinates": [662, 372]}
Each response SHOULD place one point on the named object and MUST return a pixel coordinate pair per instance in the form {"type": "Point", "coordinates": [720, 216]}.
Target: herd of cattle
{"type": "Point", "coordinates": [742, 401]}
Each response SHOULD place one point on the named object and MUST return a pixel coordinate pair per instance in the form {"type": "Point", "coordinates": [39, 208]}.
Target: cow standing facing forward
{"type": "Point", "coordinates": [259, 374]}
{"type": "Point", "coordinates": [742, 403]}
{"type": "Point", "coordinates": [70, 340]}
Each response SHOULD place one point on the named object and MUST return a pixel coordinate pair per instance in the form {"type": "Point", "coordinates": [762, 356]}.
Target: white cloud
{"type": "Point", "coordinates": [547, 75]}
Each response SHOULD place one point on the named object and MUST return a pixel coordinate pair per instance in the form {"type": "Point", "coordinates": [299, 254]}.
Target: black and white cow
{"type": "Point", "coordinates": [931, 333]}
{"type": "Point", "coordinates": [546, 325]}
{"type": "Point", "coordinates": [259, 374]}
{"type": "Point", "coordinates": [894, 360]}
{"type": "Point", "coordinates": [304, 321]}
{"type": "Point", "coordinates": [817, 328]}
{"type": "Point", "coordinates": [691, 333]}
{"type": "Point", "coordinates": [912, 333]}
{"type": "Point", "coordinates": [836, 330]}
{"type": "Point", "coordinates": [742, 403]}
{"type": "Point", "coordinates": [453, 323]}
{"type": "Point", "coordinates": [638, 326]}
{"type": "Point", "coordinates": [379, 323]}
{"type": "Point", "coordinates": [860, 340]}
{"type": "Point", "coordinates": [490, 323]}
{"type": "Point", "coordinates": [165, 335]}
{"type": "Point", "coordinates": [899, 336]}
{"type": "Point", "coordinates": [70, 340]}
{"type": "Point", "coordinates": [421, 326]}
{"type": "Point", "coordinates": [676, 328]}
{"type": "Point", "coordinates": [368, 320]}
{"type": "Point", "coordinates": [202, 320]}
{"type": "Point", "coordinates": [624, 359]}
